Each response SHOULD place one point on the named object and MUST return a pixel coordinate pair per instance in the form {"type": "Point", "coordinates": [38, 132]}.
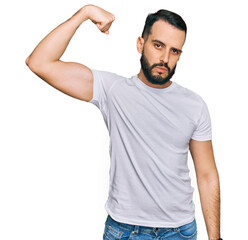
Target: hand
{"type": "Point", "coordinates": [100, 17]}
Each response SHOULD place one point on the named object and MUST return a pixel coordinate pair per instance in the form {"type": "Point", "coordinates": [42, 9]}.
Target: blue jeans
{"type": "Point", "coordinates": [116, 230]}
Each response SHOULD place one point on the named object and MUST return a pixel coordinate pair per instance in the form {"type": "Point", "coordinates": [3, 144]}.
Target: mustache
{"type": "Point", "coordinates": [161, 65]}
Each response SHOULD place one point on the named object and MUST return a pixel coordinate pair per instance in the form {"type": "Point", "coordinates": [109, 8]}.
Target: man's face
{"type": "Point", "coordinates": [152, 78]}
{"type": "Point", "coordinates": [161, 52]}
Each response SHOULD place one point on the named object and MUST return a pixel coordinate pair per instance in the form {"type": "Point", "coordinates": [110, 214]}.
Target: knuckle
{"type": "Point", "coordinates": [111, 18]}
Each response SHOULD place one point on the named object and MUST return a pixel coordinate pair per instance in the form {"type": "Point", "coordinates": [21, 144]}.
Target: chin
{"type": "Point", "coordinates": [161, 75]}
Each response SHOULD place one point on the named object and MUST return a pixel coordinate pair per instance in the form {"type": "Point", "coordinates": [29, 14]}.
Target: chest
{"type": "Point", "coordinates": [167, 118]}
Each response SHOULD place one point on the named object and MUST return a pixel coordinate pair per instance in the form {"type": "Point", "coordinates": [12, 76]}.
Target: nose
{"type": "Point", "coordinates": [165, 56]}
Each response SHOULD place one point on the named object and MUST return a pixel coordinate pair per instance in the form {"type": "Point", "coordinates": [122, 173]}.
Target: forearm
{"type": "Point", "coordinates": [209, 190]}
{"type": "Point", "coordinates": [52, 47]}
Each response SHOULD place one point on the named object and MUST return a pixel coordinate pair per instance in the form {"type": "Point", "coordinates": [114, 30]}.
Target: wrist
{"type": "Point", "coordinates": [81, 15]}
{"type": "Point", "coordinates": [86, 11]}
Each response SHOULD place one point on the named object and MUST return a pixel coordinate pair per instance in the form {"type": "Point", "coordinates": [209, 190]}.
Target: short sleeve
{"type": "Point", "coordinates": [102, 83]}
{"type": "Point", "coordinates": [203, 130]}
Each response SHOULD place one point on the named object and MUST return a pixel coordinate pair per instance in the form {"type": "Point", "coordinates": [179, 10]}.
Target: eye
{"type": "Point", "coordinates": [175, 51]}
{"type": "Point", "coordinates": [158, 46]}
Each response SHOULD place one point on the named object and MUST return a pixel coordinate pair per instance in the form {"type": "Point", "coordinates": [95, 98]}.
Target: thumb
{"type": "Point", "coordinates": [99, 25]}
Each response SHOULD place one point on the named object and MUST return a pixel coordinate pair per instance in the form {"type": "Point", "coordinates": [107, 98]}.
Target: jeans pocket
{"type": "Point", "coordinates": [112, 233]}
{"type": "Point", "coordinates": [188, 231]}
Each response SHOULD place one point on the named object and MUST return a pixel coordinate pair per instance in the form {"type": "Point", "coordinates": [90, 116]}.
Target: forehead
{"type": "Point", "coordinates": [167, 34]}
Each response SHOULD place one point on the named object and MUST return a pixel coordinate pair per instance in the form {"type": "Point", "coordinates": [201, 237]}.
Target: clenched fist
{"type": "Point", "coordinates": [100, 17]}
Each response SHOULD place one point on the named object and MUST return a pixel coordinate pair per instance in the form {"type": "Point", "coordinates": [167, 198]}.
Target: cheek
{"type": "Point", "coordinates": [173, 61]}
{"type": "Point", "coordinates": [151, 55]}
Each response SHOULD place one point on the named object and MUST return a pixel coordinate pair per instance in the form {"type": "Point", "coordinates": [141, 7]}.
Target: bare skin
{"type": "Point", "coordinates": [71, 78]}
{"type": "Point", "coordinates": [164, 44]}
{"type": "Point", "coordinates": [208, 185]}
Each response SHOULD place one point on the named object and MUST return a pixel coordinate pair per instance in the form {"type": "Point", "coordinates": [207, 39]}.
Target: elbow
{"type": "Point", "coordinates": [32, 64]}
{"type": "Point", "coordinates": [27, 61]}
{"type": "Point", "coordinates": [209, 178]}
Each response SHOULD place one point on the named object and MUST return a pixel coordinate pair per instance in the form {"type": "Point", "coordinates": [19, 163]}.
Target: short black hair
{"type": "Point", "coordinates": [165, 15]}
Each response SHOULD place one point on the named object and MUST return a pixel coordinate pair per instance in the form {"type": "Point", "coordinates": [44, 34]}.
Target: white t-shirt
{"type": "Point", "coordinates": [150, 130]}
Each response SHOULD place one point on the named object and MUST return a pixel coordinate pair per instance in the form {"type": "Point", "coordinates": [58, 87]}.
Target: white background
{"type": "Point", "coordinates": [54, 148]}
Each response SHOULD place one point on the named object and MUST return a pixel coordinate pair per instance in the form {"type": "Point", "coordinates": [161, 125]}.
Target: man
{"type": "Point", "coordinates": [152, 122]}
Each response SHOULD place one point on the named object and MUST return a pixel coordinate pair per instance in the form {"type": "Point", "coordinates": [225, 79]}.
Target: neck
{"type": "Point", "coordinates": [143, 78]}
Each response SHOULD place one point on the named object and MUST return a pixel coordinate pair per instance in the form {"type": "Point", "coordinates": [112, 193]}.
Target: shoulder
{"type": "Point", "coordinates": [105, 81]}
{"type": "Point", "coordinates": [190, 100]}
{"type": "Point", "coordinates": [188, 93]}
{"type": "Point", "coordinates": [106, 74]}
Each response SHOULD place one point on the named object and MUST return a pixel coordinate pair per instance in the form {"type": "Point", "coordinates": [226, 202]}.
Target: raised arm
{"type": "Point", "coordinates": [72, 78]}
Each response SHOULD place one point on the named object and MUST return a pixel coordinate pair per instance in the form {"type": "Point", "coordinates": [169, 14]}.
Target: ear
{"type": "Point", "coordinates": [140, 44]}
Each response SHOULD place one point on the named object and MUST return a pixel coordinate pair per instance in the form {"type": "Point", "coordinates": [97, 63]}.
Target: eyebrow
{"type": "Point", "coordinates": [157, 41]}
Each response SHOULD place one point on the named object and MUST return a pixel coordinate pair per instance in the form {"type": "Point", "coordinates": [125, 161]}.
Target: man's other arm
{"type": "Point", "coordinates": [208, 184]}
{"type": "Point", "coordinates": [72, 78]}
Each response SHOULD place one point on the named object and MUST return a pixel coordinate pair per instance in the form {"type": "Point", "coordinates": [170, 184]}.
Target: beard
{"type": "Point", "coordinates": [147, 70]}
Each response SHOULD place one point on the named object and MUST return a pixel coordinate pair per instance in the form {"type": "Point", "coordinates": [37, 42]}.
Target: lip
{"type": "Point", "coordinates": [161, 69]}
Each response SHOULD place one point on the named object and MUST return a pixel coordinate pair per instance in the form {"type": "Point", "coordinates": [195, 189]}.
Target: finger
{"type": "Point", "coordinates": [98, 25]}
{"type": "Point", "coordinates": [104, 29]}
{"type": "Point", "coordinates": [107, 27]}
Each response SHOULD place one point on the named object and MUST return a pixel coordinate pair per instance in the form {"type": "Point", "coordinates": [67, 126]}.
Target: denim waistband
{"type": "Point", "coordinates": [142, 229]}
